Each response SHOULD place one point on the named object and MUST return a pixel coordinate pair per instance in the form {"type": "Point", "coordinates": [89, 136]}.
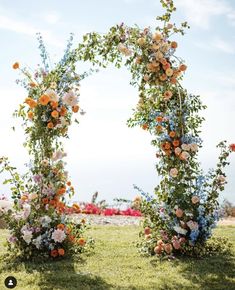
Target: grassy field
{"type": "Point", "coordinates": [116, 264]}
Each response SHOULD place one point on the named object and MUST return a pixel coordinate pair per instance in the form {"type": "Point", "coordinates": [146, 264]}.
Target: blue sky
{"type": "Point", "coordinates": [103, 154]}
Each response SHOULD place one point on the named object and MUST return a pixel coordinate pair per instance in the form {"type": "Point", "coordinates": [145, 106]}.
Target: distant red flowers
{"type": "Point", "coordinates": [232, 147]}
{"type": "Point", "coordinates": [91, 208]}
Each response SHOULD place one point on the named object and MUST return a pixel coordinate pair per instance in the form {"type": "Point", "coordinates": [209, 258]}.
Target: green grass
{"type": "Point", "coordinates": [116, 264]}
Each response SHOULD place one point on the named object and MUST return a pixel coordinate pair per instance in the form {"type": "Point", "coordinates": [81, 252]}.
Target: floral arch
{"type": "Point", "coordinates": [181, 215]}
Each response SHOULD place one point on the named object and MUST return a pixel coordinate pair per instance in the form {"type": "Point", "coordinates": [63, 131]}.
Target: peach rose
{"type": "Point", "coordinates": [157, 37]}
{"type": "Point", "coordinates": [167, 95]}
{"type": "Point", "coordinates": [168, 248]}
{"type": "Point", "coordinates": [169, 72]}
{"type": "Point", "coordinates": [141, 41]}
{"type": "Point", "coordinates": [179, 212]}
{"type": "Point", "coordinates": [195, 199]}
{"type": "Point", "coordinates": [173, 172]}
{"type": "Point", "coordinates": [177, 151]}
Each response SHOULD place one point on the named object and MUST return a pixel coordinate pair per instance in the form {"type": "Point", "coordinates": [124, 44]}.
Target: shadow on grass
{"type": "Point", "coordinates": [208, 273]}
{"type": "Point", "coordinates": [59, 275]}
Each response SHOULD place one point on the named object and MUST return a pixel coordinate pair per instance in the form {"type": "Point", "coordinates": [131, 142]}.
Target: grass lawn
{"type": "Point", "coordinates": [116, 264]}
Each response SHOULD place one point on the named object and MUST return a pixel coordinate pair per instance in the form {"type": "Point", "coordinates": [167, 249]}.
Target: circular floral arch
{"type": "Point", "coordinates": [180, 216]}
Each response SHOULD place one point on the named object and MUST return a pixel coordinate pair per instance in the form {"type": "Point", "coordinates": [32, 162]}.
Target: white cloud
{"type": "Point", "coordinates": [19, 26]}
{"type": "Point", "coordinates": [51, 17]}
{"type": "Point", "coordinates": [217, 44]}
{"type": "Point", "coordinates": [201, 12]}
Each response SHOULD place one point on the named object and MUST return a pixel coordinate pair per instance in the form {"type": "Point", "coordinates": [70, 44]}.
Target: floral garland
{"type": "Point", "coordinates": [181, 216]}
{"type": "Point", "coordinates": [38, 222]}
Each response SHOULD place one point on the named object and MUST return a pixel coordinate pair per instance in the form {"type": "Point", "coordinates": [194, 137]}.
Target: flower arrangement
{"type": "Point", "coordinates": [181, 216]}
{"type": "Point", "coordinates": [39, 218]}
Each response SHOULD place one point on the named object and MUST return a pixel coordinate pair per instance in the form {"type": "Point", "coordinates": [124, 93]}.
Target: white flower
{"type": "Point", "coordinates": [173, 172]}
{"type": "Point", "coordinates": [221, 178]}
{"type": "Point", "coordinates": [37, 242]}
{"type": "Point", "coordinates": [70, 99]}
{"type": "Point", "coordinates": [58, 236]}
{"type": "Point", "coordinates": [27, 236]}
{"type": "Point", "coordinates": [194, 147]}
{"type": "Point", "coordinates": [179, 230]}
{"type": "Point", "coordinates": [52, 94]}
{"type": "Point", "coordinates": [5, 205]}
{"type": "Point", "coordinates": [27, 210]}
{"type": "Point", "coordinates": [177, 150]}
{"type": "Point", "coordinates": [45, 220]}
{"type": "Point", "coordinates": [58, 155]}
{"type": "Point", "coordinates": [192, 225]}
{"type": "Point", "coordinates": [184, 155]}
{"type": "Point", "coordinates": [185, 147]}
{"type": "Point", "coordinates": [45, 162]}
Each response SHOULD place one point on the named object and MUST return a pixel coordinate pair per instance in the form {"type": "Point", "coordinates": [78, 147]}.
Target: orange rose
{"type": "Point", "coordinates": [30, 115]}
{"type": "Point", "coordinates": [52, 202]}
{"type": "Point", "coordinates": [176, 143]}
{"type": "Point", "coordinates": [61, 227]}
{"type": "Point", "coordinates": [32, 104]}
{"type": "Point", "coordinates": [174, 44]}
{"type": "Point", "coordinates": [172, 134]}
{"type": "Point", "coordinates": [32, 85]}
{"type": "Point", "coordinates": [55, 114]}
{"type": "Point", "coordinates": [61, 252]}
{"type": "Point", "coordinates": [75, 109]}
{"type": "Point", "coordinates": [182, 67]}
{"type": "Point", "coordinates": [45, 200]}
{"type": "Point", "coordinates": [63, 111]}
{"type": "Point", "coordinates": [173, 81]}
{"type": "Point", "coordinates": [145, 126]}
{"type": "Point", "coordinates": [44, 100]}
{"type": "Point", "coordinates": [16, 65]}
{"type": "Point", "coordinates": [159, 128]}
{"type": "Point", "coordinates": [159, 119]}
{"type": "Point", "coordinates": [69, 183]}
{"type": "Point", "coordinates": [54, 253]}
{"type": "Point", "coordinates": [82, 242]}
{"type": "Point", "coordinates": [54, 104]}
{"type": "Point", "coordinates": [50, 125]}
{"type": "Point", "coordinates": [61, 190]}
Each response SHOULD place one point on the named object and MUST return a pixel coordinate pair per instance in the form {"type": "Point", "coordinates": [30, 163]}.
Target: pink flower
{"type": "Point", "coordinates": [58, 236]}
{"type": "Point", "coordinates": [179, 212]}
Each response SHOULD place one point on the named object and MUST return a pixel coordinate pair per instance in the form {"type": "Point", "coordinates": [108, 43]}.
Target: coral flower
{"type": "Point", "coordinates": [82, 242]}
{"type": "Point", "coordinates": [167, 146]}
{"type": "Point", "coordinates": [167, 95]}
{"type": "Point", "coordinates": [75, 109]}
{"type": "Point", "coordinates": [61, 227]}
{"type": "Point", "coordinates": [44, 100]}
{"type": "Point", "coordinates": [32, 84]}
{"type": "Point", "coordinates": [32, 104]}
{"type": "Point", "coordinates": [176, 143]}
{"type": "Point", "coordinates": [63, 111]}
{"type": "Point", "coordinates": [55, 114]}
{"type": "Point", "coordinates": [54, 104]}
{"type": "Point", "coordinates": [159, 119]}
{"type": "Point", "coordinates": [54, 253]}
{"type": "Point", "coordinates": [50, 125]}
{"type": "Point", "coordinates": [172, 134]}
{"type": "Point", "coordinates": [173, 81]}
{"type": "Point", "coordinates": [168, 248]}
{"type": "Point", "coordinates": [45, 200]}
{"type": "Point", "coordinates": [61, 252]}
{"type": "Point", "coordinates": [145, 126]}
{"type": "Point", "coordinates": [174, 44]}
{"type": "Point", "coordinates": [16, 65]}
{"type": "Point", "coordinates": [182, 67]}
{"type": "Point", "coordinates": [232, 147]}
{"type": "Point", "coordinates": [52, 202]}
{"type": "Point", "coordinates": [30, 115]}
{"type": "Point", "coordinates": [69, 183]}
{"type": "Point", "coordinates": [179, 212]}
{"type": "Point", "coordinates": [158, 250]}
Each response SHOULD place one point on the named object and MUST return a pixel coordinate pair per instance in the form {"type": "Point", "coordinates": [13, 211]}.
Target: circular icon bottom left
{"type": "Point", "coordinates": [10, 282]}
